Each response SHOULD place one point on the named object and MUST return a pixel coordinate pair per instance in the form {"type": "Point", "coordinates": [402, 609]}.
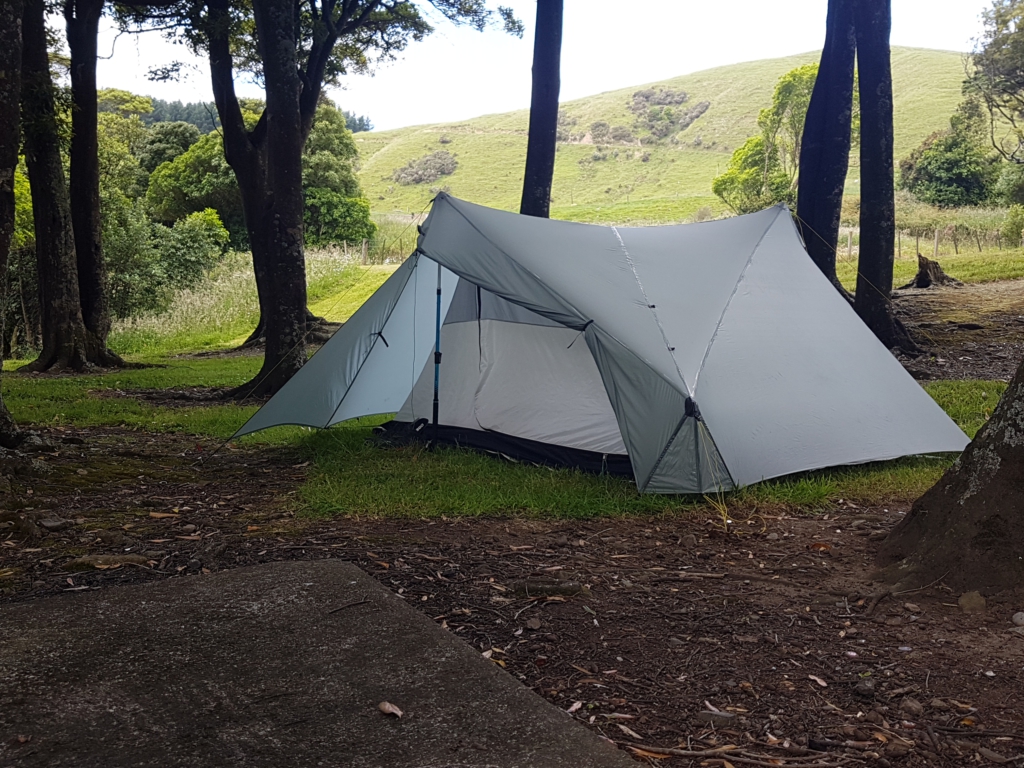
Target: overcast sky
{"type": "Point", "coordinates": [607, 44]}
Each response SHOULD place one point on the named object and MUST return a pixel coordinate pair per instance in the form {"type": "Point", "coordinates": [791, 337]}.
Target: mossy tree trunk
{"type": "Point", "coordinates": [968, 529]}
{"type": "Point", "coordinates": [825, 149]}
{"type": "Point", "coordinates": [10, 139]}
{"type": "Point", "coordinates": [543, 137]}
{"type": "Point", "coordinates": [64, 335]}
{"type": "Point", "coordinates": [82, 18]}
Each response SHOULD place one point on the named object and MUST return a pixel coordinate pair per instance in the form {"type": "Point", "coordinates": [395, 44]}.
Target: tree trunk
{"type": "Point", "coordinates": [542, 142]}
{"type": "Point", "coordinates": [64, 335]}
{"type": "Point", "coordinates": [825, 150]}
{"type": "Point", "coordinates": [968, 529]}
{"type": "Point", "coordinates": [10, 139]}
{"type": "Point", "coordinates": [82, 18]}
{"type": "Point", "coordinates": [873, 302]}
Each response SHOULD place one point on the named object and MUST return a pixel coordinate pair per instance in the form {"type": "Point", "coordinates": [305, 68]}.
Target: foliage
{"type": "Point", "coordinates": [189, 249]}
{"type": "Point", "coordinates": [123, 103]}
{"type": "Point", "coordinates": [952, 167]}
{"type": "Point", "coordinates": [997, 77]}
{"type": "Point", "coordinates": [1009, 187]}
{"type": "Point", "coordinates": [1013, 228]}
{"type": "Point", "coordinates": [427, 169]}
{"type": "Point", "coordinates": [357, 123]}
{"type": "Point", "coordinates": [763, 171]}
{"type": "Point", "coordinates": [24, 228]}
{"type": "Point", "coordinates": [330, 155]}
{"type": "Point", "coordinates": [164, 142]}
{"type": "Point", "coordinates": [331, 217]}
{"type": "Point", "coordinates": [203, 115]}
{"type": "Point", "coordinates": [135, 278]}
{"type": "Point", "coordinates": [658, 113]}
{"type": "Point", "coordinates": [198, 179]}
{"type": "Point", "coordinates": [754, 179]}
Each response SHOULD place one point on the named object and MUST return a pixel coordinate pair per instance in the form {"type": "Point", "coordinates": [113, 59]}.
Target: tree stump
{"type": "Point", "coordinates": [929, 273]}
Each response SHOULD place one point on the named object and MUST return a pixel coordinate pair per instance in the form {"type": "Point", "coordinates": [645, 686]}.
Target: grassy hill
{"type": "Point", "coordinates": [631, 180]}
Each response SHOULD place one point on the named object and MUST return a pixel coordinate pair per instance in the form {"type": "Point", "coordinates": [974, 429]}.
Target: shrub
{"type": "Point", "coordinates": [333, 218]}
{"type": "Point", "coordinates": [621, 133]}
{"type": "Point", "coordinates": [426, 169]}
{"type": "Point", "coordinates": [599, 130]}
{"type": "Point", "coordinates": [1013, 226]}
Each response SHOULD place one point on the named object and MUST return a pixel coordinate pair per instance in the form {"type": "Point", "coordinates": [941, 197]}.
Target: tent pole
{"type": "Point", "coordinates": [437, 357]}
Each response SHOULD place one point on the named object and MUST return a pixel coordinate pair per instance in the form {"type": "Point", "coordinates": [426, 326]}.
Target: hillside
{"type": "Point", "coordinates": [632, 180]}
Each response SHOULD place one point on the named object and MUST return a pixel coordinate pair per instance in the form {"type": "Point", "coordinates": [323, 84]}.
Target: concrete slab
{"type": "Point", "coordinates": [264, 666]}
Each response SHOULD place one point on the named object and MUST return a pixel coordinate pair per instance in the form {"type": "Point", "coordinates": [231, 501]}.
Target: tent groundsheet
{"type": "Point", "coordinates": [708, 356]}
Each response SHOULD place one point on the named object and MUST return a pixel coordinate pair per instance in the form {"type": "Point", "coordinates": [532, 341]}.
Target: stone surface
{"type": "Point", "coordinates": [283, 664]}
{"type": "Point", "coordinates": [1018, 619]}
{"type": "Point", "coordinates": [912, 707]}
{"type": "Point", "coordinates": [865, 687]}
{"type": "Point", "coordinates": [717, 718]}
{"type": "Point", "coordinates": [972, 602]}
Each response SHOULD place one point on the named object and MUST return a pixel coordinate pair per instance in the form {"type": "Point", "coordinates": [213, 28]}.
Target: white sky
{"type": "Point", "coordinates": [456, 73]}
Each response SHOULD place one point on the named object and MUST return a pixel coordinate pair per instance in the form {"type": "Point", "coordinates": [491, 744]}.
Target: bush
{"type": "Point", "coordinates": [426, 169]}
{"type": "Point", "coordinates": [1013, 226]}
{"type": "Point", "coordinates": [333, 218]}
{"type": "Point", "coordinates": [949, 170]}
{"type": "Point", "coordinates": [191, 248]}
{"type": "Point", "coordinates": [754, 179]}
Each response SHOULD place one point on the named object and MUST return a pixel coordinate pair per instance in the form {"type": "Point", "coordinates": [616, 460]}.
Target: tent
{"type": "Point", "coordinates": [697, 358]}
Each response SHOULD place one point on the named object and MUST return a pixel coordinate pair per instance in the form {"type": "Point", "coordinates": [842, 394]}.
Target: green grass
{"type": "Point", "coordinates": [674, 180]}
{"type": "Point", "coordinates": [986, 267]}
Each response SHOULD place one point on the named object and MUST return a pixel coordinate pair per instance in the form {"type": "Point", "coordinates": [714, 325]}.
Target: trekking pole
{"type": "Point", "coordinates": [437, 358]}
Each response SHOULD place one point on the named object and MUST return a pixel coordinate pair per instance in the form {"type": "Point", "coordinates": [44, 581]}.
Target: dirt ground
{"type": "Point", "coordinates": [672, 633]}
{"type": "Point", "coordinates": [967, 332]}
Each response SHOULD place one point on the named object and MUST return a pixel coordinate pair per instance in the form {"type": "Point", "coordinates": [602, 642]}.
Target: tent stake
{"type": "Point", "coordinates": [437, 358]}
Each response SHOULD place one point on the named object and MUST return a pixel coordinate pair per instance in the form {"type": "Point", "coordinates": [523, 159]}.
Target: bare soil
{"type": "Point", "coordinates": [664, 632]}
{"type": "Point", "coordinates": [965, 332]}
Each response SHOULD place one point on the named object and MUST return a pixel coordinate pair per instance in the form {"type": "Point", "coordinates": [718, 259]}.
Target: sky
{"type": "Point", "coordinates": [458, 73]}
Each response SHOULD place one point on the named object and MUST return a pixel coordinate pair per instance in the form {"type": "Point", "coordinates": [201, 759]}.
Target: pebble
{"type": "Point", "coordinates": [773, 537]}
{"type": "Point", "coordinates": [865, 687]}
{"type": "Point", "coordinates": [717, 718]}
{"type": "Point", "coordinates": [972, 602]}
{"type": "Point", "coordinates": [690, 541]}
{"type": "Point", "coordinates": [912, 707]}
{"type": "Point", "coordinates": [938, 704]}
{"type": "Point", "coordinates": [533, 623]}
{"type": "Point", "coordinates": [912, 607]}
{"type": "Point", "coordinates": [1018, 619]}
{"type": "Point", "coordinates": [188, 528]}
{"type": "Point", "coordinates": [675, 642]}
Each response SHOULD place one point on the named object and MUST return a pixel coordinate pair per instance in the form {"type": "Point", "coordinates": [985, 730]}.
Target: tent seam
{"type": "Point", "coordinates": [735, 290]}
{"type": "Point", "coordinates": [373, 344]}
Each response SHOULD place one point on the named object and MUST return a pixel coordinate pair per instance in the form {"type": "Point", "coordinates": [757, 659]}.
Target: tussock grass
{"type": "Point", "coordinates": [221, 312]}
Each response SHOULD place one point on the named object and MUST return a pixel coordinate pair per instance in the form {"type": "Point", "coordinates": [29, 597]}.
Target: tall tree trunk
{"type": "Point", "coordinates": [542, 142]}
{"type": "Point", "coordinates": [968, 529]}
{"type": "Point", "coordinates": [82, 19]}
{"type": "Point", "coordinates": [825, 149]}
{"type": "Point", "coordinates": [10, 139]}
{"type": "Point", "coordinates": [267, 162]}
{"type": "Point", "coordinates": [873, 302]}
{"type": "Point", "coordinates": [64, 334]}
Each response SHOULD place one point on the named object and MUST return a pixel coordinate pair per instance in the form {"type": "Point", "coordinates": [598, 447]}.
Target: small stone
{"type": "Point", "coordinates": [690, 541]}
{"type": "Point", "coordinates": [55, 524]}
{"type": "Point", "coordinates": [938, 704]}
{"type": "Point", "coordinates": [865, 687]}
{"type": "Point", "coordinates": [82, 471]}
{"type": "Point", "coordinates": [717, 718]}
{"type": "Point", "coordinates": [626, 583]}
{"type": "Point", "coordinates": [1018, 619]}
{"type": "Point", "coordinates": [773, 537]}
{"type": "Point", "coordinates": [533, 623]}
{"type": "Point", "coordinates": [188, 528]}
{"type": "Point", "coordinates": [912, 607]}
{"type": "Point", "coordinates": [562, 541]}
{"type": "Point", "coordinates": [675, 642]}
{"type": "Point", "coordinates": [972, 602]}
{"type": "Point", "coordinates": [36, 444]}
{"type": "Point", "coordinates": [912, 707]}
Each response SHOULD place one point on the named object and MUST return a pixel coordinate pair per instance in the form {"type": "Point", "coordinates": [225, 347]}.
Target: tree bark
{"type": "Point", "coordinates": [825, 148]}
{"type": "Point", "coordinates": [968, 529]}
{"type": "Point", "coordinates": [543, 136]}
{"type": "Point", "coordinates": [10, 139]}
{"type": "Point", "coordinates": [82, 18]}
{"type": "Point", "coordinates": [64, 334]}
{"type": "Point", "coordinates": [873, 302]}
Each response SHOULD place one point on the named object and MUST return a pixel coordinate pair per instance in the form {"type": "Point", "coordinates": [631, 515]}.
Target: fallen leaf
{"type": "Point", "coordinates": [820, 546]}
{"type": "Point", "coordinates": [575, 707]}
{"type": "Point", "coordinates": [629, 731]}
{"type": "Point", "coordinates": [389, 709]}
{"type": "Point", "coordinates": [252, 527]}
{"type": "Point", "coordinates": [881, 737]}
{"type": "Point", "coordinates": [158, 541]}
{"type": "Point", "coordinates": [818, 680]}
{"type": "Point", "coordinates": [189, 538]}
{"type": "Point", "coordinates": [162, 515]}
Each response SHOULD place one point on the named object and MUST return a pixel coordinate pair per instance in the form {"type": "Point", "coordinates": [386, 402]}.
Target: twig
{"type": "Point", "coordinates": [875, 601]}
{"type": "Point", "coordinates": [348, 605]}
{"type": "Point", "coordinates": [726, 754]}
{"type": "Point", "coordinates": [921, 589]}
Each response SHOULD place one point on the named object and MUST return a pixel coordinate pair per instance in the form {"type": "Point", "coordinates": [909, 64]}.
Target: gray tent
{"type": "Point", "coordinates": [698, 357]}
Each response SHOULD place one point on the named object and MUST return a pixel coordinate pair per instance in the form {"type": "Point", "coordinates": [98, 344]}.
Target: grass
{"type": "Point", "coordinates": [637, 184]}
{"type": "Point", "coordinates": [985, 267]}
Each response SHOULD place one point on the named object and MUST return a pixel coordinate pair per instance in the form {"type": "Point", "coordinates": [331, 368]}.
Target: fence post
{"type": "Point", "coordinates": [366, 251]}
{"type": "Point", "coordinates": [917, 250]}
{"type": "Point", "coordinates": [849, 245]}
{"type": "Point", "coordinates": [936, 243]}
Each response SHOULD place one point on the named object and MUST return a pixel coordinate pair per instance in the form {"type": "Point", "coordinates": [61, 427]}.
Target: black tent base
{"type": "Point", "coordinates": [516, 449]}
